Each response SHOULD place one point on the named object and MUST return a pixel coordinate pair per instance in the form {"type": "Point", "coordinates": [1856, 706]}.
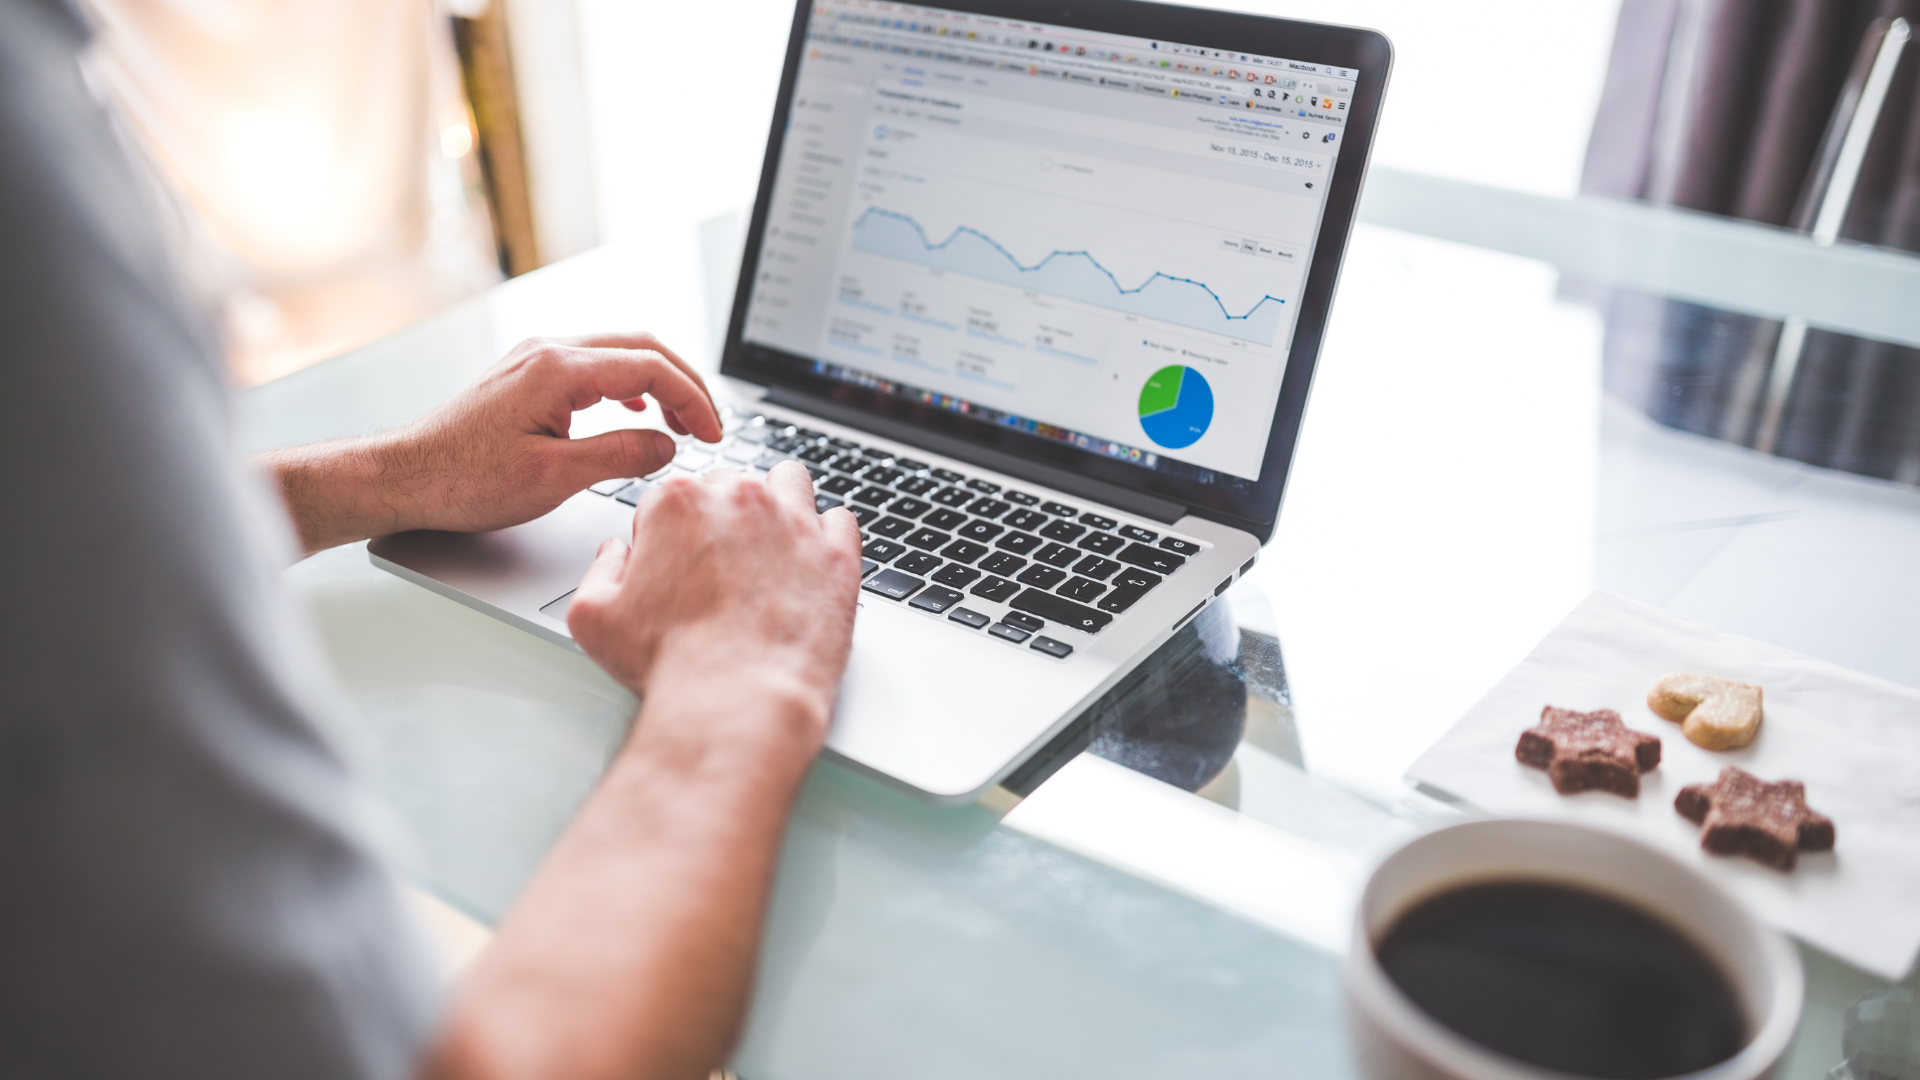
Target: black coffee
{"type": "Point", "coordinates": [1567, 979]}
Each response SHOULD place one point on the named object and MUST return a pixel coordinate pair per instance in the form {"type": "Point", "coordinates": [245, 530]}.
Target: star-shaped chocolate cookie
{"type": "Point", "coordinates": [1745, 815]}
{"type": "Point", "coordinates": [1590, 751]}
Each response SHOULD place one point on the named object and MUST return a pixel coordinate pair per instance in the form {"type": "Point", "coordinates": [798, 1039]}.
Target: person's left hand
{"type": "Point", "coordinates": [498, 453]}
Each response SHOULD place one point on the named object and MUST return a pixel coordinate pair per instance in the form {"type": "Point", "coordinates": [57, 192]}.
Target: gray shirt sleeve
{"type": "Point", "coordinates": [184, 889]}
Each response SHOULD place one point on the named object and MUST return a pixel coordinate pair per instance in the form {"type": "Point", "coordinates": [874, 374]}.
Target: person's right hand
{"type": "Point", "coordinates": [730, 581]}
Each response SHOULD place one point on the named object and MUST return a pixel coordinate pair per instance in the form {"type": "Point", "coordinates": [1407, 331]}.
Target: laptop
{"type": "Point", "coordinates": [1036, 291]}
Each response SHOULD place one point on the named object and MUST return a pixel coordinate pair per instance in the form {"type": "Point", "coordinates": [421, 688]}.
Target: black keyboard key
{"type": "Point", "coordinates": [945, 519]}
{"type": "Point", "coordinates": [824, 503]}
{"type": "Point", "coordinates": [1024, 621]}
{"type": "Point", "coordinates": [843, 444]}
{"type": "Point", "coordinates": [1132, 577]}
{"type": "Point", "coordinates": [956, 575]}
{"type": "Point", "coordinates": [1011, 633]}
{"type": "Point", "coordinates": [1135, 532]}
{"type": "Point", "coordinates": [968, 617]}
{"type": "Point", "coordinates": [918, 562]}
{"type": "Point", "coordinates": [987, 508]}
{"type": "Point", "coordinates": [846, 463]}
{"type": "Point", "coordinates": [868, 566]}
{"type": "Point", "coordinates": [945, 476]}
{"type": "Point", "coordinates": [985, 487]}
{"type": "Point", "coordinates": [917, 485]}
{"type": "Point", "coordinates": [1104, 543]}
{"type": "Point", "coordinates": [1179, 546]}
{"type": "Point", "coordinates": [882, 550]}
{"type": "Point", "coordinates": [1059, 650]}
{"type": "Point", "coordinates": [632, 492]}
{"type": "Point", "coordinates": [1042, 577]}
{"type": "Point", "coordinates": [838, 485]}
{"type": "Point", "coordinates": [954, 496]}
{"type": "Point", "coordinates": [1121, 599]}
{"type": "Point", "coordinates": [936, 599]}
{"type": "Point", "coordinates": [982, 531]}
{"type": "Point", "coordinates": [1059, 609]}
{"type": "Point", "coordinates": [996, 589]}
{"type": "Point", "coordinates": [891, 527]}
{"type": "Point", "coordinates": [1079, 588]}
{"type": "Point", "coordinates": [785, 444]}
{"type": "Point", "coordinates": [1097, 521]}
{"type": "Point", "coordinates": [816, 473]}
{"type": "Point", "coordinates": [1019, 543]}
{"type": "Point", "coordinates": [863, 514]}
{"type": "Point", "coordinates": [908, 508]}
{"type": "Point", "coordinates": [893, 584]}
{"type": "Point", "coordinates": [909, 465]}
{"type": "Point", "coordinates": [928, 539]}
{"type": "Point", "coordinates": [1063, 531]}
{"type": "Point", "coordinates": [809, 434]}
{"type": "Point", "coordinates": [1057, 555]}
{"type": "Point", "coordinates": [1020, 498]}
{"type": "Point", "coordinates": [1154, 559]}
{"type": "Point", "coordinates": [818, 455]}
{"type": "Point", "coordinates": [964, 551]}
{"type": "Point", "coordinates": [1095, 567]}
{"type": "Point", "coordinates": [1003, 563]}
{"type": "Point", "coordinates": [873, 496]}
{"type": "Point", "coordinates": [1029, 520]}
{"type": "Point", "coordinates": [882, 475]}
{"type": "Point", "coordinates": [1060, 509]}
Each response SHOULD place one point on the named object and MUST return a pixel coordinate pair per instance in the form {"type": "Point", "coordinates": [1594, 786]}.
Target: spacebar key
{"type": "Point", "coordinates": [1060, 610]}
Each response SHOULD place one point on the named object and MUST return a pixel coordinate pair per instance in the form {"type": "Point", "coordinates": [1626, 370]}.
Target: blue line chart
{"type": "Point", "coordinates": [1071, 275]}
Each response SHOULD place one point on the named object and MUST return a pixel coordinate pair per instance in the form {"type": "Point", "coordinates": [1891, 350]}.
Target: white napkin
{"type": "Point", "coordinates": [1853, 740]}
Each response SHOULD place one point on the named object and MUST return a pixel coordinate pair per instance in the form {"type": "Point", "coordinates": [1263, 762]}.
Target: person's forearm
{"type": "Point", "coordinates": [337, 491]}
{"type": "Point", "coordinates": [631, 954]}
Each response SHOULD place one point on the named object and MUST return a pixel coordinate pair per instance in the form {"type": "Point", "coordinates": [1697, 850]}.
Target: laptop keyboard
{"type": "Point", "coordinates": [986, 558]}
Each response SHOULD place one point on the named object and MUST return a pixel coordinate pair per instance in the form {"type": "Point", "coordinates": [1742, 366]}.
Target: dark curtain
{"type": "Point", "coordinates": [1721, 106]}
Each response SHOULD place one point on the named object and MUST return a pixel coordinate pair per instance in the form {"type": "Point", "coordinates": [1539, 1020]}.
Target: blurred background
{"type": "Point", "coordinates": [345, 167]}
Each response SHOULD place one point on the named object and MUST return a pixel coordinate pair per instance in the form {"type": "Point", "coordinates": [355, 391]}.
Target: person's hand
{"type": "Point", "coordinates": [499, 453]}
{"type": "Point", "coordinates": [728, 579]}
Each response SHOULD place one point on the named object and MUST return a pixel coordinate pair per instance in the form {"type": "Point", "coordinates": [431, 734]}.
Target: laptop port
{"type": "Point", "coordinates": [1223, 586]}
{"type": "Point", "coordinates": [1249, 565]}
{"type": "Point", "coordinates": [1190, 614]}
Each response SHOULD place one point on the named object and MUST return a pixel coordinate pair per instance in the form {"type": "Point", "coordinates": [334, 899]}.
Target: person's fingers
{"type": "Point", "coordinates": [600, 583]}
{"type": "Point", "coordinates": [842, 529]}
{"type": "Point", "coordinates": [640, 340]}
{"type": "Point", "coordinates": [625, 452]}
{"type": "Point", "coordinates": [792, 486]}
{"type": "Point", "coordinates": [592, 374]}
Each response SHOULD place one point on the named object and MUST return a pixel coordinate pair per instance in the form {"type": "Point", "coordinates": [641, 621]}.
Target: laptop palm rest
{"type": "Point", "coordinates": [528, 571]}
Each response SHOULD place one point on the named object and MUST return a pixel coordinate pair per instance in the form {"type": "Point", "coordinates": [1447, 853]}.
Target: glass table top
{"type": "Point", "coordinates": [1167, 887]}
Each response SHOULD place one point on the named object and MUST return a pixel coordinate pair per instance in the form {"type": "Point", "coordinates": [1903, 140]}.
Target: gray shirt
{"type": "Point", "coordinates": [184, 888]}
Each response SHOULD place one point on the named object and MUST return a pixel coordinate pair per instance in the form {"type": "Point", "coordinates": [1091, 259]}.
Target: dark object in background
{"type": "Point", "coordinates": [1566, 979]}
{"type": "Point", "coordinates": [486, 67]}
{"type": "Point", "coordinates": [1722, 106]}
{"type": "Point", "coordinates": [1180, 716]}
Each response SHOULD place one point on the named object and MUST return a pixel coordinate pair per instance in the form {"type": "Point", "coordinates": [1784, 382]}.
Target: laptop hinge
{"type": "Point", "coordinates": [1165, 511]}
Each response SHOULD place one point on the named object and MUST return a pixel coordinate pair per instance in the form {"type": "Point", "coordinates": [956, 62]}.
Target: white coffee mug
{"type": "Point", "coordinates": [1397, 1040]}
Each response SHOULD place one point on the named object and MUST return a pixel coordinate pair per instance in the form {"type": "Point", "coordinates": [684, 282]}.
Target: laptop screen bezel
{"type": "Point", "coordinates": [1252, 505]}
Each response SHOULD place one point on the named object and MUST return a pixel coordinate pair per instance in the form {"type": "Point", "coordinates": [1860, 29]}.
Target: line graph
{"type": "Point", "coordinates": [1071, 275]}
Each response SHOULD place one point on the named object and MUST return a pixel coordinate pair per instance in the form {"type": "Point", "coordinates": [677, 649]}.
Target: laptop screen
{"type": "Point", "coordinates": [1093, 238]}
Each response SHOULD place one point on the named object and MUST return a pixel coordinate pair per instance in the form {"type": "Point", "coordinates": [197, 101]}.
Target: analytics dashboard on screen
{"type": "Point", "coordinates": [1095, 238]}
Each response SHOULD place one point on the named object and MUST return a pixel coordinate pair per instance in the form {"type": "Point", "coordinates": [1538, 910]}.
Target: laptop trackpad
{"type": "Point", "coordinates": [522, 569]}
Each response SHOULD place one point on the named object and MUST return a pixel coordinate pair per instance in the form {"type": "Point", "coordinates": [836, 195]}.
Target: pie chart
{"type": "Point", "coordinates": [1176, 406]}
